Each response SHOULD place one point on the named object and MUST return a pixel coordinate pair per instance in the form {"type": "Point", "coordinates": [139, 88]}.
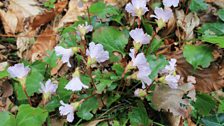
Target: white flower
{"type": "Point", "coordinates": [143, 75]}
{"type": "Point", "coordinates": [138, 61]}
{"type": "Point", "coordinates": [97, 53]}
{"type": "Point", "coordinates": [75, 84]}
{"type": "Point", "coordinates": [164, 15]}
{"type": "Point", "coordinates": [172, 80]}
{"type": "Point", "coordinates": [137, 7]}
{"type": "Point", "coordinates": [48, 88]}
{"type": "Point", "coordinates": [170, 68]}
{"type": "Point", "coordinates": [65, 53]}
{"type": "Point", "coordinates": [68, 110]}
{"type": "Point", "coordinates": [169, 3]}
{"type": "Point", "coordinates": [139, 36]}
{"type": "Point", "coordinates": [18, 70]}
{"type": "Point", "coordinates": [83, 29]}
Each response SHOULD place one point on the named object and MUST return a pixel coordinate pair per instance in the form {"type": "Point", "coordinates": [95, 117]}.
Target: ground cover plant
{"type": "Point", "coordinates": [111, 62]}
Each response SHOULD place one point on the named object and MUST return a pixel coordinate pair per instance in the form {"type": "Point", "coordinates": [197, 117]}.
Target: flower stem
{"type": "Point", "coordinates": [28, 98]}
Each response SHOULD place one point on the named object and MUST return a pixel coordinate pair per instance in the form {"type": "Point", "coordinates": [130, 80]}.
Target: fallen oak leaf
{"type": "Point", "coordinates": [9, 21]}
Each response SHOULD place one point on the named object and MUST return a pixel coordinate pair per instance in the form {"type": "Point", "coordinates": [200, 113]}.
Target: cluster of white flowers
{"type": "Point", "coordinates": [171, 78]}
{"type": "Point", "coordinates": [83, 29]}
{"type": "Point", "coordinates": [141, 63]}
{"type": "Point", "coordinates": [139, 8]}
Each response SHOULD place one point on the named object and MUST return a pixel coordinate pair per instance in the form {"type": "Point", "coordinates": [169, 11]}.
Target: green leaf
{"type": "Point", "coordinates": [221, 14]}
{"type": "Point", "coordinates": [35, 77]}
{"type": "Point", "coordinates": [7, 119]}
{"type": "Point", "coordinates": [51, 59]}
{"type": "Point", "coordinates": [219, 40]}
{"type": "Point", "coordinates": [4, 74]}
{"type": "Point", "coordinates": [213, 28]}
{"type": "Point", "coordinates": [111, 38]}
{"type": "Point", "coordinates": [147, 26]}
{"type": "Point", "coordinates": [61, 91]}
{"type": "Point", "coordinates": [52, 104]}
{"type": "Point", "coordinates": [204, 104]}
{"type": "Point", "coordinates": [28, 115]}
{"type": "Point", "coordinates": [155, 45]}
{"type": "Point", "coordinates": [84, 111]}
{"type": "Point", "coordinates": [118, 68]}
{"type": "Point", "coordinates": [102, 85]}
{"type": "Point", "coordinates": [111, 99]}
{"type": "Point", "coordinates": [198, 55]}
{"type": "Point", "coordinates": [19, 92]}
{"type": "Point", "coordinates": [198, 5]}
{"type": "Point", "coordinates": [221, 107]}
{"type": "Point", "coordinates": [156, 64]}
{"type": "Point", "coordinates": [138, 116]}
{"type": "Point", "coordinates": [214, 120]}
{"type": "Point", "coordinates": [102, 11]}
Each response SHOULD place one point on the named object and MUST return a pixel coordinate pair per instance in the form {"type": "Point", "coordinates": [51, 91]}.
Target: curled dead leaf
{"type": "Point", "coordinates": [6, 89]}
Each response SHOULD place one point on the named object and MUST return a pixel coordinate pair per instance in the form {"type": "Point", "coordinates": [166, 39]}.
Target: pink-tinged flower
{"type": "Point", "coordinates": [18, 70]}
{"type": "Point", "coordinates": [48, 88]}
{"type": "Point", "coordinates": [75, 84]}
{"type": "Point", "coordinates": [191, 79]}
{"type": "Point", "coordinates": [139, 36]}
{"type": "Point", "coordinates": [172, 80]}
{"type": "Point", "coordinates": [68, 110]}
{"type": "Point", "coordinates": [65, 53]}
{"type": "Point", "coordinates": [162, 14]}
{"type": "Point", "coordinates": [96, 53]}
{"type": "Point", "coordinates": [169, 3]}
{"type": "Point", "coordinates": [170, 68]}
{"type": "Point", "coordinates": [83, 29]}
{"type": "Point", "coordinates": [137, 7]}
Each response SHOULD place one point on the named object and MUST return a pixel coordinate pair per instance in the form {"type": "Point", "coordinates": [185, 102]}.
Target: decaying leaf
{"type": "Point", "coordinates": [171, 100]}
{"type": "Point", "coordinates": [48, 16]}
{"type": "Point", "coordinates": [46, 41]}
{"type": "Point", "coordinates": [18, 11]}
{"type": "Point", "coordinates": [6, 89]}
{"type": "Point", "coordinates": [187, 23]}
{"type": "Point", "coordinates": [207, 80]}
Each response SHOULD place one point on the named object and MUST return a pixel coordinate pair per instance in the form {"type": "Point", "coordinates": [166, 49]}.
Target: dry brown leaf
{"type": "Point", "coordinates": [48, 16]}
{"type": "Point", "coordinates": [9, 21]}
{"type": "Point", "coordinates": [170, 100]}
{"type": "Point", "coordinates": [6, 89]}
{"type": "Point", "coordinates": [207, 80]}
{"type": "Point", "coordinates": [187, 23]}
{"type": "Point", "coordinates": [46, 41]}
{"type": "Point", "coordinates": [74, 10]}
{"type": "Point", "coordinates": [18, 11]}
